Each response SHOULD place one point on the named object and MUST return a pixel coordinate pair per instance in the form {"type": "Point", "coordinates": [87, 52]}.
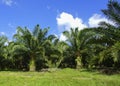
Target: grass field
{"type": "Point", "coordinates": [65, 77]}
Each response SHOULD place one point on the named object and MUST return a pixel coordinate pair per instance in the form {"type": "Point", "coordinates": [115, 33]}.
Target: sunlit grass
{"type": "Point", "coordinates": [65, 77]}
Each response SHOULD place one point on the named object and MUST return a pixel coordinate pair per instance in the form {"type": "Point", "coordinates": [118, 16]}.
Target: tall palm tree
{"type": "Point", "coordinates": [31, 42]}
{"type": "Point", "coordinates": [112, 32]}
{"type": "Point", "coordinates": [77, 41]}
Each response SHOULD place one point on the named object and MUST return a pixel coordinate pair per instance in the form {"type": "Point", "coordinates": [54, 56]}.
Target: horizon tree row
{"type": "Point", "coordinates": [97, 47]}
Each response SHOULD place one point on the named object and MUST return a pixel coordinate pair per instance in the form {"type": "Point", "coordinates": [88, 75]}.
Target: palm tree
{"type": "Point", "coordinates": [3, 40]}
{"type": "Point", "coordinates": [60, 47]}
{"type": "Point", "coordinates": [55, 52]}
{"type": "Point", "coordinates": [77, 41]}
{"type": "Point", "coordinates": [113, 11]}
{"type": "Point", "coordinates": [110, 33]}
{"type": "Point", "coordinates": [31, 42]}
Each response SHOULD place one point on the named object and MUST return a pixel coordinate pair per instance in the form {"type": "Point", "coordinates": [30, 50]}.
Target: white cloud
{"type": "Point", "coordinates": [96, 19]}
{"type": "Point", "coordinates": [62, 37]}
{"type": "Point", "coordinates": [2, 33]}
{"type": "Point", "coordinates": [67, 21]}
{"type": "Point", "coordinates": [6, 44]}
{"type": "Point", "coordinates": [8, 2]}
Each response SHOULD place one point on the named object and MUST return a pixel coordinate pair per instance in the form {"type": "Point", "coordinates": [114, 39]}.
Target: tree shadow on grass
{"type": "Point", "coordinates": [103, 71]}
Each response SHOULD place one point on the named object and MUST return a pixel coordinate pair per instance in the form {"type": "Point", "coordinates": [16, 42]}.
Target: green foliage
{"type": "Point", "coordinates": [97, 47]}
{"type": "Point", "coordinates": [112, 11]}
{"type": "Point", "coordinates": [78, 41]}
{"type": "Point", "coordinates": [31, 43]}
{"type": "Point", "coordinates": [3, 41]}
{"type": "Point", "coordinates": [55, 52]}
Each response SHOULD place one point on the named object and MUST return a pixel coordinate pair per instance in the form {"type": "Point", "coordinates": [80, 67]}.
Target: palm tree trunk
{"type": "Point", "coordinates": [32, 65]}
{"type": "Point", "coordinates": [78, 62]}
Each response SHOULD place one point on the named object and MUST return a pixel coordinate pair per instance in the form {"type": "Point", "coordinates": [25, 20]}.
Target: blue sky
{"type": "Point", "coordinates": [59, 15]}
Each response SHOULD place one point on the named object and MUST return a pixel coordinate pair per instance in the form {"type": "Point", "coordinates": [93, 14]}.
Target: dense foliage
{"type": "Point", "coordinates": [97, 47]}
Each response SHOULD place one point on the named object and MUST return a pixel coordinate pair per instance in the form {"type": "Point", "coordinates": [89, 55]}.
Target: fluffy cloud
{"type": "Point", "coordinates": [8, 2]}
{"type": "Point", "coordinates": [96, 19]}
{"type": "Point", "coordinates": [67, 21]}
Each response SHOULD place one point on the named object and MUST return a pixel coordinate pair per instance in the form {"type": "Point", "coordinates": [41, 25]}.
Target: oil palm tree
{"type": "Point", "coordinates": [110, 32]}
{"type": "Point", "coordinates": [31, 42]}
{"type": "Point", "coordinates": [77, 41]}
{"type": "Point", "coordinates": [113, 11]}
{"type": "Point", "coordinates": [55, 52]}
{"type": "Point", "coordinates": [3, 40]}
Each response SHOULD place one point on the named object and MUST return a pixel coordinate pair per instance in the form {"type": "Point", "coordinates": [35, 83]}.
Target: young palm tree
{"type": "Point", "coordinates": [53, 51]}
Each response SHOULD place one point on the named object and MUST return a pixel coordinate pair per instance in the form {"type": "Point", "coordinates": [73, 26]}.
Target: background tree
{"type": "Point", "coordinates": [55, 52]}
{"type": "Point", "coordinates": [3, 41]}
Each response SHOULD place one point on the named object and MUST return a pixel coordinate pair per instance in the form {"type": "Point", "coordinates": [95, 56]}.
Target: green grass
{"type": "Point", "coordinates": [65, 77]}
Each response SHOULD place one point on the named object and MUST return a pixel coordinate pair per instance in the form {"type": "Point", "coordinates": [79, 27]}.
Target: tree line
{"type": "Point", "coordinates": [97, 47]}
